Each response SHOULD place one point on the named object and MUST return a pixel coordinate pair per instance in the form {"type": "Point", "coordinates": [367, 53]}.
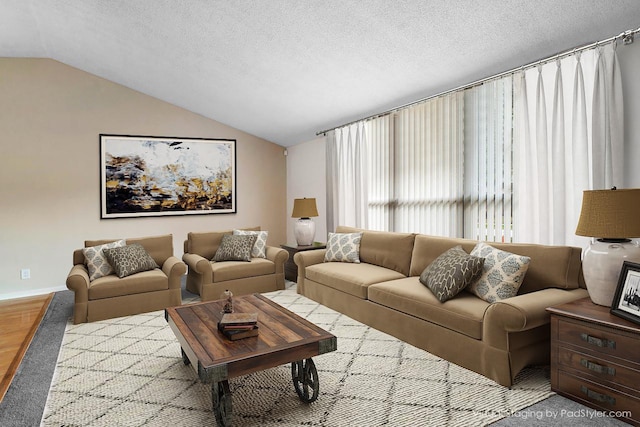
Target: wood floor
{"type": "Point", "coordinates": [19, 322]}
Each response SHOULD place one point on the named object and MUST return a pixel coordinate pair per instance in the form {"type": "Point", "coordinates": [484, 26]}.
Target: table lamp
{"type": "Point", "coordinates": [305, 228]}
{"type": "Point", "coordinates": [610, 218]}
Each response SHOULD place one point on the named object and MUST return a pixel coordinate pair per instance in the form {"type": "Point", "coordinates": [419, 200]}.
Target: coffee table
{"type": "Point", "coordinates": [284, 337]}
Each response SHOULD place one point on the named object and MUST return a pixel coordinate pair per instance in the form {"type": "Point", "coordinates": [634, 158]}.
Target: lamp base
{"type": "Point", "coordinates": [601, 264]}
{"type": "Point", "coordinates": [305, 231]}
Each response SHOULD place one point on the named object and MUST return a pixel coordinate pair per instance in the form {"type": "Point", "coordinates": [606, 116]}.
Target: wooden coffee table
{"type": "Point", "coordinates": [284, 337]}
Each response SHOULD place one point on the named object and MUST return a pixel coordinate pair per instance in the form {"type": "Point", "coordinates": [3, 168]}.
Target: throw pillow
{"type": "Point", "coordinates": [96, 262]}
{"type": "Point", "coordinates": [235, 248]}
{"type": "Point", "coordinates": [502, 273]}
{"type": "Point", "coordinates": [260, 246]}
{"type": "Point", "coordinates": [451, 272]}
{"type": "Point", "coordinates": [130, 259]}
{"type": "Point", "coordinates": [343, 247]}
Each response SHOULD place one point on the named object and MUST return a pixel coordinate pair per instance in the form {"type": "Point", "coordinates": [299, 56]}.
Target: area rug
{"type": "Point", "coordinates": [129, 372]}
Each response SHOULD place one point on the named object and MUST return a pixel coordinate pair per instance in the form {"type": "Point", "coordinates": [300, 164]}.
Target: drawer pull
{"type": "Point", "coordinates": [598, 341]}
{"type": "Point", "coordinates": [598, 368]}
{"type": "Point", "coordinates": [603, 398]}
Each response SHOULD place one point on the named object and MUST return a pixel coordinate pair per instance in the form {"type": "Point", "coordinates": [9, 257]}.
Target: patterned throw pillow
{"type": "Point", "coordinates": [502, 274]}
{"type": "Point", "coordinates": [343, 247]}
{"type": "Point", "coordinates": [235, 248]}
{"type": "Point", "coordinates": [451, 272]}
{"type": "Point", "coordinates": [130, 259]}
{"type": "Point", "coordinates": [96, 262]}
{"type": "Point", "coordinates": [260, 246]}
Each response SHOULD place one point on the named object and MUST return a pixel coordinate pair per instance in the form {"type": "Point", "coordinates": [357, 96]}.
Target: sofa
{"type": "Point", "coordinates": [210, 279]}
{"type": "Point", "coordinates": [384, 291]}
{"type": "Point", "coordinates": [111, 296]}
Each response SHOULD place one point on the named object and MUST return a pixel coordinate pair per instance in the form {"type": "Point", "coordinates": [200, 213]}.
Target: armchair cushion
{"type": "Point", "coordinates": [130, 259]}
{"type": "Point", "coordinates": [235, 248]}
{"type": "Point", "coordinates": [97, 262]}
{"type": "Point", "coordinates": [259, 249]}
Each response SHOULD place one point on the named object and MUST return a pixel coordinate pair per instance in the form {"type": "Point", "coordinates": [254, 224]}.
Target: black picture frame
{"type": "Point", "coordinates": [626, 301]}
{"type": "Point", "coordinates": [150, 176]}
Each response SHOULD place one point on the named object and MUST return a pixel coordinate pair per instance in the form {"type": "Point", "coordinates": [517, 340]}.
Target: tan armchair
{"type": "Point", "coordinates": [110, 296]}
{"type": "Point", "coordinates": [209, 279]}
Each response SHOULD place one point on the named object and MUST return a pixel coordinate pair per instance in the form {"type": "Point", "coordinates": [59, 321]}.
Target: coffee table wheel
{"type": "Point", "coordinates": [221, 396]}
{"type": "Point", "coordinates": [305, 380]}
{"type": "Point", "coordinates": [185, 359]}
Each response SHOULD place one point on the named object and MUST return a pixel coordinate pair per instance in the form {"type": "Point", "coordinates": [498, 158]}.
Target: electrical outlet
{"type": "Point", "coordinates": [25, 273]}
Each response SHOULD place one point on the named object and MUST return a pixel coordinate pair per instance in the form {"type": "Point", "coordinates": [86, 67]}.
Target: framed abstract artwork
{"type": "Point", "coordinates": [144, 176]}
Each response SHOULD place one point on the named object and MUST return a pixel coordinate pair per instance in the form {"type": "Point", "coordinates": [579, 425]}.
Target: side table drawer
{"type": "Point", "coordinates": [602, 369]}
{"type": "Point", "coordinates": [599, 397]}
{"type": "Point", "coordinates": [599, 340]}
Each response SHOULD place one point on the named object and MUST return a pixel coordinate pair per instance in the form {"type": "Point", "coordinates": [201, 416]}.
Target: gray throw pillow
{"type": "Point", "coordinates": [343, 247]}
{"type": "Point", "coordinates": [451, 272]}
{"type": "Point", "coordinates": [260, 246]}
{"type": "Point", "coordinates": [96, 262]}
{"type": "Point", "coordinates": [130, 259]}
{"type": "Point", "coordinates": [235, 248]}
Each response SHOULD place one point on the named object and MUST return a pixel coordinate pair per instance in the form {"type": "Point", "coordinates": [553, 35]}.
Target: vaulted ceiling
{"type": "Point", "coordinates": [284, 69]}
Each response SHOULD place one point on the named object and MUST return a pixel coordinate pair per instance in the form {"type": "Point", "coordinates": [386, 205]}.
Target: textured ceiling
{"type": "Point", "coordinates": [284, 69]}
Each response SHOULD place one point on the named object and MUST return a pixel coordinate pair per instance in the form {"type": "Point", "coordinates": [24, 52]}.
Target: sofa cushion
{"type": "Point", "coordinates": [385, 249]}
{"type": "Point", "coordinates": [231, 270]}
{"type": "Point", "coordinates": [348, 277]}
{"type": "Point", "coordinates": [129, 259]}
{"type": "Point", "coordinates": [259, 249]}
{"type": "Point", "coordinates": [451, 272]}
{"type": "Point", "coordinates": [343, 247]}
{"type": "Point", "coordinates": [552, 266]}
{"type": "Point", "coordinates": [502, 273]}
{"type": "Point", "coordinates": [96, 261]}
{"type": "Point", "coordinates": [464, 313]}
{"type": "Point", "coordinates": [112, 286]}
{"type": "Point", "coordinates": [235, 248]}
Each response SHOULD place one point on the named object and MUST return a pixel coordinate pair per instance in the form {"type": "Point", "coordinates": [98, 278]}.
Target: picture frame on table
{"type": "Point", "coordinates": [149, 176]}
{"type": "Point", "coordinates": [626, 300]}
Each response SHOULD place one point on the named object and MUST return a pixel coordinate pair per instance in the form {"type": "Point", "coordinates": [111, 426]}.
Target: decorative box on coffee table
{"type": "Point", "coordinates": [595, 358]}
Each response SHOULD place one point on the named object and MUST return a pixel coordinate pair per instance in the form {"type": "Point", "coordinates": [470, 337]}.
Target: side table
{"type": "Point", "coordinates": [290, 267]}
{"type": "Point", "coordinates": [595, 359]}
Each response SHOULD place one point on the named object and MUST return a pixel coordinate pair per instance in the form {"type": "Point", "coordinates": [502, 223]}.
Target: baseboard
{"type": "Point", "coordinates": [32, 292]}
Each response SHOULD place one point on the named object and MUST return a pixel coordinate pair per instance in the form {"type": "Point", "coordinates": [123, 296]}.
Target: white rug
{"type": "Point", "coordinates": [129, 372]}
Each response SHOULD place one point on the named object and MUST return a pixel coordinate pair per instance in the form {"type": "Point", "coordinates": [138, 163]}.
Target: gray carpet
{"type": "Point", "coordinates": [25, 400]}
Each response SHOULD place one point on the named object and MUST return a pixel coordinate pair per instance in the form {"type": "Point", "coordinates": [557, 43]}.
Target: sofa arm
{"type": "Point", "coordinates": [279, 256]}
{"type": "Point", "coordinates": [523, 312]}
{"type": "Point", "coordinates": [78, 282]}
{"type": "Point", "coordinates": [200, 265]}
{"type": "Point", "coordinates": [305, 259]}
{"type": "Point", "coordinates": [173, 268]}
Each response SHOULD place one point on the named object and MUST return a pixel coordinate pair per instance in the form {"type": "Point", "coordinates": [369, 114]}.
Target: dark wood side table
{"type": "Point", "coordinates": [290, 267]}
{"type": "Point", "coordinates": [595, 359]}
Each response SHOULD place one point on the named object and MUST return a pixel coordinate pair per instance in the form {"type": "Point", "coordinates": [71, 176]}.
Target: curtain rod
{"type": "Point", "coordinates": [627, 38]}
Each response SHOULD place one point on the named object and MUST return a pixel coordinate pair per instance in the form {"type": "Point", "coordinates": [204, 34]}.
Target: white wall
{"type": "Point", "coordinates": [306, 178]}
{"type": "Point", "coordinates": [306, 161]}
{"type": "Point", "coordinates": [51, 116]}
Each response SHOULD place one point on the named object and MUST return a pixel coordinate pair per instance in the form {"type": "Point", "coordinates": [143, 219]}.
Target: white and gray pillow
{"type": "Point", "coordinates": [502, 273]}
{"type": "Point", "coordinates": [343, 247]}
{"type": "Point", "coordinates": [96, 262]}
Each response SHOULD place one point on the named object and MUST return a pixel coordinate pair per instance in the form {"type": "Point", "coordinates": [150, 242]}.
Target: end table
{"type": "Point", "coordinates": [290, 267]}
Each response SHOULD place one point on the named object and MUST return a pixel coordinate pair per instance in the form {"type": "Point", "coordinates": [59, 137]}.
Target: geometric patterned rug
{"type": "Point", "coordinates": [129, 372]}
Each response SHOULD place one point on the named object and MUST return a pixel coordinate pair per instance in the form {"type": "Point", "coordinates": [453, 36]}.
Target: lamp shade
{"type": "Point", "coordinates": [304, 208]}
{"type": "Point", "coordinates": [610, 214]}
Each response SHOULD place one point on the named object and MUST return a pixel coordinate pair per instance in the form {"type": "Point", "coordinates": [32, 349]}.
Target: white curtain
{"type": "Point", "coordinates": [568, 136]}
{"type": "Point", "coordinates": [381, 180]}
{"type": "Point", "coordinates": [428, 163]}
{"type": "Point", "coordinates": [488, 159]}
{"type": "Point", "coordinates": [347, 166]}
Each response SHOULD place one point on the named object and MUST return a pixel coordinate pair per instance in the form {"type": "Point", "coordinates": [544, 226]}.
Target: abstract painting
{"type": "Point", "coordinates": [155, 176]}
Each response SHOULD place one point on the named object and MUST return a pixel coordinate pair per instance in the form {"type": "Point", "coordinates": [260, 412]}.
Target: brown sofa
{"type": "Point", "coordinates": [209, 279]}
{"type": "Point", "coordinates": [111, 296]}
{"type": "Point", "coordinates": [496, 340]}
